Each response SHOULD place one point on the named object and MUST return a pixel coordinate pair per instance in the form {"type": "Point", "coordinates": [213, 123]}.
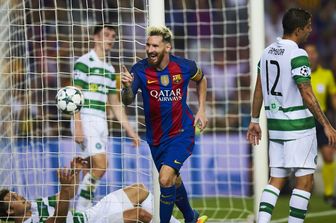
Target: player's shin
{"type": "Point", "coordinates": [167, 200]}
{"type": "Point", "coordinates": [182, 202]}
{"type": "Point", "coordinates": [268, 200]}
{"type": "Point", "coordinates": [86, 192]}
{"type": "Point", "coordinates": [298, 205]}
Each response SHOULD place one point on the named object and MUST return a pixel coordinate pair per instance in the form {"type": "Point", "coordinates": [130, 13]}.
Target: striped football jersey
{"type": "Point", "coordinates": [43, 208]}
{"type": "Point", "coordinates": [164, 96]}
{"type": "Point", "coordinates": [282, 66]}
{"type": "Point", "coordinates": [97, 79]}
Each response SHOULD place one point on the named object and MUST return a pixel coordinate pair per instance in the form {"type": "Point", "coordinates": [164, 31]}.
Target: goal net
{"type": "Point", "coordinates": [215, 34]}
{"type": "Point", "coordinates": [40, 41]}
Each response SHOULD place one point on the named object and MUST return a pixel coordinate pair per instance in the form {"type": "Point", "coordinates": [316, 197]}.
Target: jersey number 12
{"type": "Point", "coordinates": [276, 64]}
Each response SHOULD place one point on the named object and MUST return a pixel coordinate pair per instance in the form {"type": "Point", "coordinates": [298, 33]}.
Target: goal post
{"type": "Point", "coordinates": [156, 12]}
{"type": "Point", "coordinates": [156, 16]}
{"type": "Point", "coordinates": [260, 159]}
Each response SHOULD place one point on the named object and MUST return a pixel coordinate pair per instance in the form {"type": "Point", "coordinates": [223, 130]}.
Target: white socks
{"type": "Point", "coordinates": [86, 192]}
{"type": "Point", "coordinates": [298, 206]}
{"type": "Point", "coordinates": [268, 200]}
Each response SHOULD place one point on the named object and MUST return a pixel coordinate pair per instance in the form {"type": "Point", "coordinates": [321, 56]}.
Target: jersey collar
{"type": "Point", "coordinates": [95, 56]}
{"type": "Point", "coordinates": [281, 41]}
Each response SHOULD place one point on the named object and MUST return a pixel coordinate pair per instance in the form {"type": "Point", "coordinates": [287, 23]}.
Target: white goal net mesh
{"type": "Point", "coordinates": [39, 43]}
{"type": "Point", "coordinates": [215, 34]}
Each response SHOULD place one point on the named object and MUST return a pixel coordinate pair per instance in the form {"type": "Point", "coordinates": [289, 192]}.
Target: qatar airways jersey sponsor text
{"type": "Point", "coordinates": [167, 95]}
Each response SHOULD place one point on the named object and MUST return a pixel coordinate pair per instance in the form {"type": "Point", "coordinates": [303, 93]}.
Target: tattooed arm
{"type": "Point", "coordinates": [310, 100]}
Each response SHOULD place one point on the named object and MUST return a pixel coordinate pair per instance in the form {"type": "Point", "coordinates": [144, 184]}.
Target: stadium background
{"type": "Point", "coordinates": [38, 59]}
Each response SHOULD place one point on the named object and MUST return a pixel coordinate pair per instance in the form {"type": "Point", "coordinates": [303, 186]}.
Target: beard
{"type": "Point", "coordinates": [156, 60]}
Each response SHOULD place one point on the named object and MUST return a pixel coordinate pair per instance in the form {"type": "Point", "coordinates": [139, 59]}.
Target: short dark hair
{"type": "Point", "coordinates": [99, 28]}
{"type": "Point", "coordinates": [295, 18]}
{"type": "Point", "coordinates": [4, 205]}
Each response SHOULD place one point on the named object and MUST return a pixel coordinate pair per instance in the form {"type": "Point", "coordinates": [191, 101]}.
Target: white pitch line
{"type": "Point", "coordinates": [309, 215]}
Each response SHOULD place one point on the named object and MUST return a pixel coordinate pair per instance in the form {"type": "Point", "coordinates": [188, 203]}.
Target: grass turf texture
{"type": "Point", "coordinates": [226, 209]}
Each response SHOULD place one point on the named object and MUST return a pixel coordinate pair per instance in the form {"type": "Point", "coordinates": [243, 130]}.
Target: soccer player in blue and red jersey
{"type": "Point", "coordinates": [163, 79]}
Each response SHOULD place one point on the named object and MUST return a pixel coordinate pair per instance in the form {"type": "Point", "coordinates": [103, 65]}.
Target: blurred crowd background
{"type": "Point", "coordinates": [324, 25]}
{"type": "Point", "coordinates": [214, 33]}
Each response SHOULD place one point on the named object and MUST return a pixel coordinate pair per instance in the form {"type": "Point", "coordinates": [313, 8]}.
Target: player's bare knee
{"type": "Point", "coordinates": [166, 181]}
{"type": "Point", "coordinates": [99, 162]}
{"type": "Point", "coordinates": [138, 187]}
{"type": "Point", "coordinates": [277, 182]}
{"type": "Point", "coordinates": [99, 168]}
{"type": "Point", "coordinates": [142, 187]}
{"type": "Point", "coordinates": [167, 176]}
{"type": "Point", "coordinates": [142, 191]}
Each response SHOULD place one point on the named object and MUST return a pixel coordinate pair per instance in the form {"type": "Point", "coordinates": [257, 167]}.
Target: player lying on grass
{"type": "Point", "coordinates": [130, 204]}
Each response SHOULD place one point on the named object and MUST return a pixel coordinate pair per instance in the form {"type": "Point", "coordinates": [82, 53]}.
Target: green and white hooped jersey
{"type": "Point", "coordinates": [97, 79]}
{"type": "Point", "coordinates": [43, 208]}
{"type": "Point", "coordinates": [282, 66]}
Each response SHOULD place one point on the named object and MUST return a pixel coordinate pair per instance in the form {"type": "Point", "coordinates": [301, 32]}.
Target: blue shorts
{"type": "Point", "coordinates": [174, 152]}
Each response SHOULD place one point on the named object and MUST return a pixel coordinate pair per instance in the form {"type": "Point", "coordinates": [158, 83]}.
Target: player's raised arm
{"type": "Point", "coordinates": [127, 79]}
{"type": "Point", "coordinates": [68, 180]}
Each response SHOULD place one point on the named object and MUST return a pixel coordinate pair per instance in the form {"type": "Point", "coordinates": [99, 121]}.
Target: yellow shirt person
{"type": "Point", "coordinates": [323, 84]}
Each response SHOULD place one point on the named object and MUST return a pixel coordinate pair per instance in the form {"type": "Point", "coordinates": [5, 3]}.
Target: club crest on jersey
{"type": "Point", "coordinates": [164, 79]}
{"type": "Point", "coordinates": [96, 88]}
{"type": "Point", "coordinates": [93, 87]}
{"type": "Point", "coordinates": [177, 78]}
{"type": "Point", "coordinates": [274, 105]}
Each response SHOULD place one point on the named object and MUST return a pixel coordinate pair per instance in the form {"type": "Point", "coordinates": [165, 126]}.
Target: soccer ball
{"type": "Point", "coordinates": [69, 99]}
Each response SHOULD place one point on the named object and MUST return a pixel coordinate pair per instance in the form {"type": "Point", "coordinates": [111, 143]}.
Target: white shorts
{"type": "Point", "coordinates": [298, 154]}
{"type": "Point", "coordinates": [285, 172]}
{"type": "Point", "coordinates": [109, 209]}
{"type": "Point", "coordinates": [95, 135]}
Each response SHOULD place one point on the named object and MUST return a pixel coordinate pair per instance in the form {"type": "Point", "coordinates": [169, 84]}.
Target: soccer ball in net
{"type": "Point", "coordinates": [69, 99]}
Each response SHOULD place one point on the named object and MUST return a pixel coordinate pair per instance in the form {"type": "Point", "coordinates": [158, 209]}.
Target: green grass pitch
{"type": "Point", "coordinates": [227, 209]}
